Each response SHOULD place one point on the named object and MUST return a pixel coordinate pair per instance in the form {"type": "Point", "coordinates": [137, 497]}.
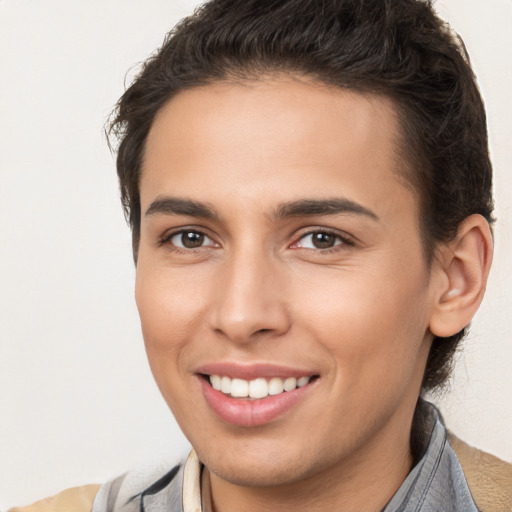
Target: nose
{"type": "Point", "coordinates": [250, 300]}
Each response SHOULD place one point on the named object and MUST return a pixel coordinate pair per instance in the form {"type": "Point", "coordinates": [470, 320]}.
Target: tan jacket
{"type": "Point", "coordinates": [76, 499]}
{"type": "Point", "coordinates": [489, 479]}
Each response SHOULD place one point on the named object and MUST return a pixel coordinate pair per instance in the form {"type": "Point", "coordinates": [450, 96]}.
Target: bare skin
{"type": "Point", "coordinates": [238, 271]}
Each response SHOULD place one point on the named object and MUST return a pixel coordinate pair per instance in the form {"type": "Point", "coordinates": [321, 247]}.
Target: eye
{"type": "Point", "coordinates": [321, 240]}
{"type": "Point", "coordinates": [190, 239]}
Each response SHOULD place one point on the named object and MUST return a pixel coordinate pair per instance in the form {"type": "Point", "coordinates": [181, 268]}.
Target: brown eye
{"type": "Point", "coordinates": [190, 239]}
{"type": "Point", "coordinates": [323, 240]}
{"type": "Point", "coordinates": [320, 240]}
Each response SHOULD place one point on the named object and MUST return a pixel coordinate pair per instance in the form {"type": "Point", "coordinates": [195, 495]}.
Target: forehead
{"type": "Point", "coordinates": [291, 138]}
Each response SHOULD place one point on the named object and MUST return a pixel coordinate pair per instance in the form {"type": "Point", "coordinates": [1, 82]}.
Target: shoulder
{"type": "Point", "coordinates": [489, 478]}
{"type": "Point", "coordinates": [124, 494]}
{"type": "Point", "coordinates": [77, 499]}
{"type": "Point", "coordinates": [121, 494]}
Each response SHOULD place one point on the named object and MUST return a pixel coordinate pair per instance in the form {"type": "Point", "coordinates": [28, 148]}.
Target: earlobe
{"type": "Point", "coordinates": [464, 264]}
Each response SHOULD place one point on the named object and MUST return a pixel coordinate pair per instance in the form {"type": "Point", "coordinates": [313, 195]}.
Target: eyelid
{"type": "Point", "coordinates": [169, 234]}
{"type": "Point", "coordinates": [346, 239]}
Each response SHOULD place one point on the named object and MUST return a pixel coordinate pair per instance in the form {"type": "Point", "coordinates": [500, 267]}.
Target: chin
{"type": "Point", "coordinates": [269, 473]}
{"type": "Point", "coordinates": [268, 464]}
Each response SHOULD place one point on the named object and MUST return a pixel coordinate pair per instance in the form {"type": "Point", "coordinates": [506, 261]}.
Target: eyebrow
{"type": "Point", "coordinates": [302, 207]}
{"type": "Point", "coordinates": [178, 206]}
{"type": "Point", "coordinates": [333, 206]}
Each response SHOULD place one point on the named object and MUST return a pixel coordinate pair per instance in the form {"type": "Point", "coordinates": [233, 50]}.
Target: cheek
{"type": "Point", "coordinates": [168, 311]}
{"type": "Point", "coordinates": [370, 325]}
{"type": "Point", "coordinates": [169, 308]}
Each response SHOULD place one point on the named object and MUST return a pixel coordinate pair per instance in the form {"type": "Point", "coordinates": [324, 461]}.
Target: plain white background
{"type": "Point", "coordinates": [77, 401]}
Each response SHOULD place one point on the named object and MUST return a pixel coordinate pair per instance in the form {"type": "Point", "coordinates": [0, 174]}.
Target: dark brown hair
{"type": "Point", "coordinates": [398, 48]}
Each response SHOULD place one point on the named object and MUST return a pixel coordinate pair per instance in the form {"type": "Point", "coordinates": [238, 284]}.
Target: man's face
{"type": "Point", "coordinates": [279, 247]}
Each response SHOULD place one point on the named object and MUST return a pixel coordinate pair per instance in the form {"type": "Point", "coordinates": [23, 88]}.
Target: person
{"type": "Point", "coordinates": [308, 186]}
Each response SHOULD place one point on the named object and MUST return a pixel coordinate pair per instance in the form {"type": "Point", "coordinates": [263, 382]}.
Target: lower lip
{"type": "Point", "coordinates": [252, 413]}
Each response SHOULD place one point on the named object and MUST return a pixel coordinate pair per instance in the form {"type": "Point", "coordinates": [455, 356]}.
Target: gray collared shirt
{"type": "Point", "coordinates": [435, 484]}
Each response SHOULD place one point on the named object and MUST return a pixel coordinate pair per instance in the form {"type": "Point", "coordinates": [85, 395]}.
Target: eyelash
{"type": "Point", "coordinates": [344, 240]}
{"type": "Point", "coordinates": [167, 237]}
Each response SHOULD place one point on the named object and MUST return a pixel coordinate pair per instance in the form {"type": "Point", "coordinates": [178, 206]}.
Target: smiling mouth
{"type": "Point", "coordinates": [257, 388]}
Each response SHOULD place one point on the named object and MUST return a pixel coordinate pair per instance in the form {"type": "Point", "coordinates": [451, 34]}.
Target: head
{"type": "Point", "coordinates": [398, 49]}
{"type": "Point", "coordinates": [395, 52]}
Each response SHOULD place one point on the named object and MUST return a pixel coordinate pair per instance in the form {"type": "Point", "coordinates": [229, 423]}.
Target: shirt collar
{"type": "Point", "coordinates": [192, 484]}
{"type": "Point", "coordinates": [437, 482]}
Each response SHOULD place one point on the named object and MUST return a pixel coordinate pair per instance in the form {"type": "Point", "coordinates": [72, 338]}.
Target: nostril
{"type": "Point", "coordinates": [262, 331]}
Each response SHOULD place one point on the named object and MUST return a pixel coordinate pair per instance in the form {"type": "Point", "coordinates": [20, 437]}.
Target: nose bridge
{"type": "Point", "coordinates": [249, 298]}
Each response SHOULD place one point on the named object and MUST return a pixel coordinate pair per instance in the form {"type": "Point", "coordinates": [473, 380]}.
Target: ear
{"type": "Point", "coordinates": [464, 266]}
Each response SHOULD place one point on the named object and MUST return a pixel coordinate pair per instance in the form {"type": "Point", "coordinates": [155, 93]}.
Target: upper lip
{"type": "Point", "coordinates": [252, 371]}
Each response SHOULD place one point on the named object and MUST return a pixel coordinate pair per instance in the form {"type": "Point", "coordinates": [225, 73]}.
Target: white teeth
{"type": "Point", "coordinates": [290, 384]}
{"type": "Point", "coordinates": [215, 381]}
{"type": "Point", "coordinates": [302, 381]}
{"type": "Point", "coordinates": [275, 386]}
{"type": "Point", "coordinates": [239, 388]}
{"type": "Point", "coordinates": [225, 385]}
{"type": "Point", "coordinates": [256, 388]}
